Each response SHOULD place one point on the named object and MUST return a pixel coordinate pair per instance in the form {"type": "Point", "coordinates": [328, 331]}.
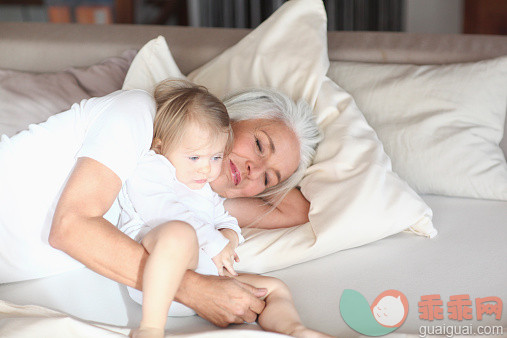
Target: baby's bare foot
{"type": "Point", "coordinates": [147, 332]}
{"type": "Point", "coordinates": [303, 332]}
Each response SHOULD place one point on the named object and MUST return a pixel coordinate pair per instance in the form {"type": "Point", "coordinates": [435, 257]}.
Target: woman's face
{"type": "Point", "coordinates": [265, 153]}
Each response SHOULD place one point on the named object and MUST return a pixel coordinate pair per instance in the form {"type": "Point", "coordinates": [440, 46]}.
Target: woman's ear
{"type": "Point", "coordinates": [156, 145]}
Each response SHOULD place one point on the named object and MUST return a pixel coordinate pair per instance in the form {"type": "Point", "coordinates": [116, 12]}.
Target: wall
{"type": "Point", "coordinates": [22, 13]}
{"type": "Point", "coordinates": [422, 16]}
{"type": "Point", "coordinates": [434, 16]}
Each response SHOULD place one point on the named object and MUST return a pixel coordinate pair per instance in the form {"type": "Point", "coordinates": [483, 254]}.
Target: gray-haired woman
{"type": "Point", "coordinates": [60, 178]}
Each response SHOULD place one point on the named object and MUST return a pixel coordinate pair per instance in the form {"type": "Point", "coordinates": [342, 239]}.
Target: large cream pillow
{"type": "Point", "coordinates": [288, 51]}
{"type": "Point", "coordinates": [355, 197]}
{"type": "Point", "coordinates": [440, 124]}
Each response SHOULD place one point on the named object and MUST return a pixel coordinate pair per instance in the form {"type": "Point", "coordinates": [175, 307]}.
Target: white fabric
{"type": "Point", "coordinates": [288, 51]}
{"type": "Point", "coordinates": [38, 321]}
{"type": "Point", "coordinates": [153, 196]}
{"type": "Point", "coordinates": [152, 64]}
{"type": "Point", "coordinates": [35, 164]}
{"type": "Point", "coordinates": [440, 124]}
{"type": "Point", "coordinates": [355, 197]}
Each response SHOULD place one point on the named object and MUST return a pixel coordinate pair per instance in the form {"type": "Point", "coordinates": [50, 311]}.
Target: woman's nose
{"type": "Point", "coordinates": [254, 170]}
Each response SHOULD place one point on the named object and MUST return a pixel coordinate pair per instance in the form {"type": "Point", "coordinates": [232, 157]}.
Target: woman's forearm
{"type": "Point", "coordinates": [80, 230]}
{"type": "Point", "coordinates": [292, 210]}
{"type": "Point", "coordinates": [102, 248]}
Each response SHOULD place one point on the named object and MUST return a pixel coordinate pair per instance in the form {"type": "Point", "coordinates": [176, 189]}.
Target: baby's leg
{"type": "Point", "coordinates": [280, 313]}
{"type": "Point", "coordinates": [173, 249]}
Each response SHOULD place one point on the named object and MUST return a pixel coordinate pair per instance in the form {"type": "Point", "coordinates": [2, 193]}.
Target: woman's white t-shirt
{"type": "Point", "coordinates": [35, 164]}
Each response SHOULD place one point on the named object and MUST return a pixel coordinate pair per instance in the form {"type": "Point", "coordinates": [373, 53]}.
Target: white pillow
{"type": "Point", "coordinates": [355, 196]}
{"type": "Point", "coordinates": [440, 124]}
{"type": "Point", "coordinates": [289, 52]}
{"type": "Point", "coordinates": [152, 64]}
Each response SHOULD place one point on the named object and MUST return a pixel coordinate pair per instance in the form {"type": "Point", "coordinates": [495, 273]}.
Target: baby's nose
{"type": "Point", "coordinates": [205, 168]}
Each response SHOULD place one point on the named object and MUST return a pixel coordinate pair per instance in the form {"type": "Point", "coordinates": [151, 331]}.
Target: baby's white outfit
{"type": "Point", "coordinates": [153, 196]}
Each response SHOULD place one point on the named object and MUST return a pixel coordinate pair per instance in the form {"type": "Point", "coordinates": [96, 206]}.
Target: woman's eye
{"type": "Point", "coordinates": [266, 180]}
{"type": "Point", "coordinates": [258, 143]}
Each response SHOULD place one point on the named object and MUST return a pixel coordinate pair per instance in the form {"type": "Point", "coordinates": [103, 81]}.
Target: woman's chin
{"type": "Point", "coordinates": [219, 187]}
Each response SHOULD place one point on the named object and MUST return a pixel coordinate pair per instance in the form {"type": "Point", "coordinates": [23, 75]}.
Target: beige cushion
{"type": "Point", "coordinates": [288, 52]}
{"type": "Point", "coordinates": [152, 64]}
{"type": "Point", "coordinates": [355, 197]}
{"type": "Point", "coordinates": [440, 124]}
{"type": "Point", "coordinates": [27, 98]}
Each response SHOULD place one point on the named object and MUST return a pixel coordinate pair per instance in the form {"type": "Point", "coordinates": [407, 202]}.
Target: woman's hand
{"type": "Point", "coordinates": [221, 300]}
{"type": "Point", "coordinates": [227, 257]}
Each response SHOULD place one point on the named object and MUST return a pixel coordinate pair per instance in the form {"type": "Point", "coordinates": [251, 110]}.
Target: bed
{"type": "Point", "coordinates": [464, 263]}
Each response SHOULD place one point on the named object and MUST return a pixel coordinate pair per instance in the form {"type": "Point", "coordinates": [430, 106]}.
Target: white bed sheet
{"type": "Point", "coordinates": [467, 257]}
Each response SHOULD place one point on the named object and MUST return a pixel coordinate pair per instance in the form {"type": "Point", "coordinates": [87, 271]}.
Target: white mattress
{"type": "Point", "coordinates": [467, 257]}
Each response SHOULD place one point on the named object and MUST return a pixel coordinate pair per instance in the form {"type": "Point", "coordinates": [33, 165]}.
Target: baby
{"type": "Point", "coordinates": [168, 206]}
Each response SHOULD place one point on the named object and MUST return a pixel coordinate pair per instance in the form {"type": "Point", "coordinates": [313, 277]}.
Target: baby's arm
{"type": "Point", "coordinates": [229, 228]}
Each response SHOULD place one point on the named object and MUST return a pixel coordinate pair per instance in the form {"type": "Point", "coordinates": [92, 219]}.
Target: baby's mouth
{"type": "Point", "coordinates": [235, 174]}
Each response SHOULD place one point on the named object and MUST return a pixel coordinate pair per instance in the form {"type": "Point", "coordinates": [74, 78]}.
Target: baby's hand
{"type": "Point", "coordinates": [227, 257]}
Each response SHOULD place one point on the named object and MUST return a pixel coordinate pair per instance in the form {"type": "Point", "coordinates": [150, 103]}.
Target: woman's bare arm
{"type": "Point", "coordinates": [293, 210]}
{"type": "Point", "coordinates": [80, 230]}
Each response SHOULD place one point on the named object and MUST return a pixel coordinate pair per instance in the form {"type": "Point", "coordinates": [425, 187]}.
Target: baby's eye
{"type": "Point", "coordinates": [217, 158]}
{"type": "Point", "coordinates": [193, 158]}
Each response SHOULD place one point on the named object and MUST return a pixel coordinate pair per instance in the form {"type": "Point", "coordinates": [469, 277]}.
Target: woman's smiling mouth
{"type": "Point", "coordinates": [235, 174]}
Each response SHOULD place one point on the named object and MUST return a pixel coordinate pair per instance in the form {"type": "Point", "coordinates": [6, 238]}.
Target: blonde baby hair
{"type": "Point", "coordinates": [180, 102]}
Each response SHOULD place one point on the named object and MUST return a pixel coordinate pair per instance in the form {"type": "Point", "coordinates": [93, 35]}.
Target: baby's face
{"type": "Point", "coordinates": [389, 311]}
{"type": "Point", "coordinates": [198, 158]}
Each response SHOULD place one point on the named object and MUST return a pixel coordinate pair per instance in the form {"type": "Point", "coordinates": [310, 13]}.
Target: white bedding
{"type": "Point", "coordinates": [468, 257]}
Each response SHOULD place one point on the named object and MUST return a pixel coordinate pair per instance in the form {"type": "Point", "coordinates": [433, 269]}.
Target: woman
{"type": "Point", "coordinates": [60, 178]}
